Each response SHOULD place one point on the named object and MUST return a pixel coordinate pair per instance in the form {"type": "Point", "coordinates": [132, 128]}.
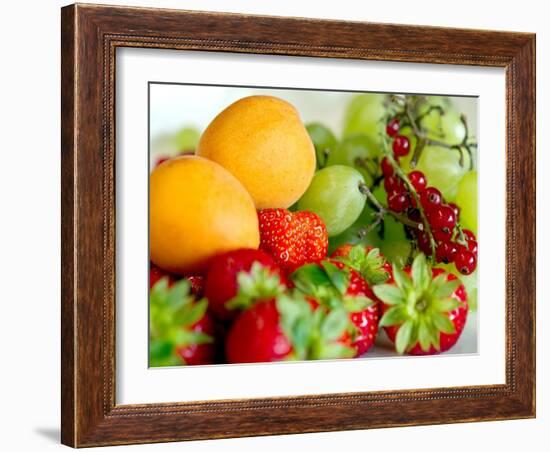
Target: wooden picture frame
{"type": "Point", "coordinates": [90, 36]}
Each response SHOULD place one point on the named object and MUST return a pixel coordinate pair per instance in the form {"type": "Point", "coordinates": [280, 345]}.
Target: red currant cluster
{"type": "Point", "coordinates": [453, 245]}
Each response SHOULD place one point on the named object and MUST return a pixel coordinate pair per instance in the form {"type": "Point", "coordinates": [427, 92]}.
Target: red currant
{"type": "Point", "coordinates": [394, 183]}
{"type": "Point", "coordinates": [398, 201]}
{"type": "Point", "coordinates": [471, 241]}
{"type": "Point", "coordinates": [418, 180]}
{"type": "Point", "coordinates": [453, 206]}
{"type": "Point", "coordinates": [442, 235]}
{"type": "Point", "coordinates": [469, 235]}
{"type": "Point", "coordinates": [430, 198]}
{"type": "Point", "coordinates": [387, 168]}
{"type": "Point", "coordinates": [446, 252]}
{"type": "Point", "coordinates": [442, 217]}
{"type": "Point", "coordinates": [401, 146]}
{"type": "Point", "coordinates": [393, 127]}
{"type": "Point", "coordinates": [424, 243]}
{"type": "Point", "coordinates": [465, 261]}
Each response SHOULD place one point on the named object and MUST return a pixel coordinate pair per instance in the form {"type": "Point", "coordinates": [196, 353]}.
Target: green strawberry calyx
{"type": "Point", "coordinates": [329, 284]}
{"type": "Point", "coordinates": [370, 264]}
{"type": "Point", "coordinates": [419, 304]}
{"type": "Point", "coordinates": [172, 313]}
{"type": "Point", "coordinates": [314, 333]}
{"type": "Point", "coordinates": [258, 283]}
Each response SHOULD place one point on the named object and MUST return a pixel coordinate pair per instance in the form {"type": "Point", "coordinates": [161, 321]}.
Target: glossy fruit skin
{"type": "Point", "coordinates": [256, 336]}
{"type": "Point", "coordinates": [335, 197]}
{"type": "Point", "coordinates": [262, 141]}
{"type": "Point", "coordinates": [401, 146]}
{"type": "Point", "coordinates": [323, 140]}
{"type": "Point", "coordinates": [197, 210]}
{"type": "Point", "coordinates": [398, 201]}
{"type": "Point", "coordinates": [394, 183]}
{"type": "Point", "coordinates": [471, 240]}
{"type": "Point", "coordinates": [387, 168]}
{"type": "Point", "coordinates": [292, 238]}
{"type": "Point", "coordinates": [465, 261]}
{"type": "Point", "coordinates": [430, 198]}
{"type": "Point", "coordinates": [392, 129]}
{"type": "Point", "coordinates": [200, 354]}
{"type": "Point", "coordinates": [458, 316]}
{"type": "Point", "coordinates": [446, 252]}
{"type": "Point", "coordinates": [221, 280]}
{"type": "Point", "coordinates": [442, 217]}
{"type": "Point", "coordinates": [418, 180]}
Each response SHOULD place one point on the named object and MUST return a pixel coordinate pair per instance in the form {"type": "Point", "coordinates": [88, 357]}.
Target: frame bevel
{"type": "Point", "coordinates": [90, 36]}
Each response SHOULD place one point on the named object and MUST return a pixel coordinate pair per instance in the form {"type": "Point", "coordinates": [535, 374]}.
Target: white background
{"type": "Point", "coordinates": [29, 140]}
{"type": "Point", "coordinates": [137, 384]}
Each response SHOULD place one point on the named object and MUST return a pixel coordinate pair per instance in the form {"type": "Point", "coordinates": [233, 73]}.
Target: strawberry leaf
{"type": "Point", "coordinates": [338, 278]}
{"type": "Point", "coordinates": [394, 316]}
{"type": "Point", "coordinates": [401, 278]}
{"type": "Point", "coordinates": [421, 272]}
{"type": "Point", "coordinates": [403, 336]}
{"type": "Point", "coordinates": [334, 325]}
{"type": "Point", "coordinates": [389, 294]}
{"type": "Point", "coordinates": [443, 323]}
{"type": "Point", "coordinates": [308, 277]}
{"type": "Point", "coordinates": [335, 350]}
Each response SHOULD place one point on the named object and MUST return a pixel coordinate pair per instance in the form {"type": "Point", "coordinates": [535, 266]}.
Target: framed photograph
{"type": "Point", "coordinates": [282, 225]}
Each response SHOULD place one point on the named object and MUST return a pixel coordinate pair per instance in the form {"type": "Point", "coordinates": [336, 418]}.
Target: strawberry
{"type": "Point", "coordinates": [287, 327]}
{"type": "Point", "coordinates": [424, 309]}
{"type": "Point", "coordinates": [237, 278]}
{"type": "Point", "coordinates": [292, 238]}
{"type": "Point", "coordinates": [336, 285]}
{"type": "Point", "coordinates": [156, 273]}
{"type": "Point", "coordinates": [366, 260]}
{"type": "Point", "coordinates": [181, 331]}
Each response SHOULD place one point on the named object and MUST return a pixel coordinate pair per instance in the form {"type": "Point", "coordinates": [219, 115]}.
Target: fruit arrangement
{"type": "Point", "coordinates": [276, 240]}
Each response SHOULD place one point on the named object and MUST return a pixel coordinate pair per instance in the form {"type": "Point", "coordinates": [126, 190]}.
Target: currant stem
{"type": "Point", "coordinates": [363, 188]}
{"type": "Point", "coordinates": [397, 170]}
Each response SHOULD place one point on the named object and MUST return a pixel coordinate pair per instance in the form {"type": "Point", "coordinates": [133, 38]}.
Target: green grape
{"type": "Point", "coordinates": [334, 195]}
{"type": "Point", "coordinates": [357, 151]}
{"type": "Point", "coordinates": [381, 195]}
{"type": "Point", "coordinates": [396, 251]}
{"type": "Point", "coordinates": [442, 169]}
{"type": "Point", "coordinates": [323, 140]}
{"type": "Point", "coordinates": [446, 127]}
{"type": "Point", "coordinates": [365, 114]}
{"type": "Point", "coordinates": [351, 234]}
{"type": "Point", "coordinates": [466, 198]}
{"type": "Point", "coordinates": [187, 139]}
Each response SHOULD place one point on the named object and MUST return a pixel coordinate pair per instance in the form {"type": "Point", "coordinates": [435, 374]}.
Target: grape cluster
{"type": "Point", "coordinates": [452, 244]}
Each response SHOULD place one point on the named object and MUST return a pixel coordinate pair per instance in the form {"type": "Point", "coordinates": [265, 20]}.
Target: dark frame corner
{"type": "Point", "coordinates": [90, 36]}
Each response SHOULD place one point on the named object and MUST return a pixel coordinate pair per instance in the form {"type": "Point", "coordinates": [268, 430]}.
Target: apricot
{"type": "Point", "coordinates": [197, 210]}
{"type": "Point", "coordinates": [262, 141]}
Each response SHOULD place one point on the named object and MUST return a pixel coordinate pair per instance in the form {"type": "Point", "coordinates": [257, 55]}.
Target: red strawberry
{"type": "Point", "coordinates": [156, 273]}
{"type": "Point", "coordinates": [337, 286]}
{"type": "Point", "coordinates": [197, 285]}
{"type": "Point", "coordinates": [237, 278]}
{"type": "Point", "coordinates": [197, 352]}
{"type": "Point", "coordinates": [424, 309]}
{"type": "Point", "coordinates": [366, 260]}
{"type": "Point", "coordinates": [286, 328]}
{"type": "Point", "coordinates": [181, 331]}
{"type": "Point", "coordinates": [292, 238]}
